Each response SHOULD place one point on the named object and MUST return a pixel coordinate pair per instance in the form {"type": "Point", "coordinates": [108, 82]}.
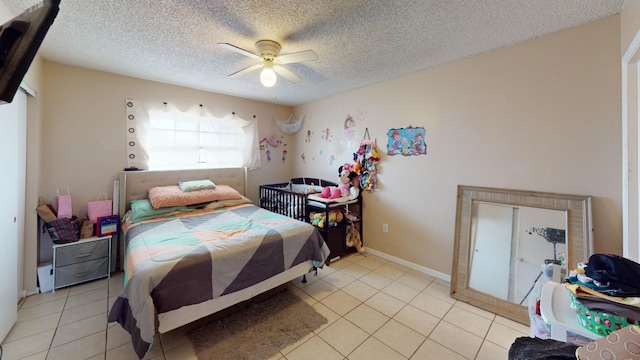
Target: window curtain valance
{"type": "Point", "coordinates": [215, 142]}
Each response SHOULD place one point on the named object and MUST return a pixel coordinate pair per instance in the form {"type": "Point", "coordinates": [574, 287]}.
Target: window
{"type": "Point", "coordinates": [170, 139]}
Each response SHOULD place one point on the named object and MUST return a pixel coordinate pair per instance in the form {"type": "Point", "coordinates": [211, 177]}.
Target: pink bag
{"type": "Point", "coordinates": [63, 202]}
{"type": "Point", "coordinates": [99, 208]}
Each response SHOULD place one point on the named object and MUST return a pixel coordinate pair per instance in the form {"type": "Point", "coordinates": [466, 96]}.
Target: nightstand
{"type": "Point", "coordinates": [80, 261]}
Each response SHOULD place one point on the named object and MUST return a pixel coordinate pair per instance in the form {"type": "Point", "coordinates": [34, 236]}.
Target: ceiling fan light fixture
{"type": "Point", "coordinates": [268, 76]}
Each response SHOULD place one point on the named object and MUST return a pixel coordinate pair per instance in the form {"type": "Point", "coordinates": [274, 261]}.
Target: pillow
{"type": "Point", "coordinates": [227, 203]}
{"type": "Point", "coordinates": [143, 210]}
{"type": "Point", "coordinates": [196, 185]}
{"type": "Point", "coordinates": [165, 196]}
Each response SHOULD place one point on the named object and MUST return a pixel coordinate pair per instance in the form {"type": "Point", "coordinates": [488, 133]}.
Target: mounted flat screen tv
{"type": "Point", "coordinates": [20, 39]}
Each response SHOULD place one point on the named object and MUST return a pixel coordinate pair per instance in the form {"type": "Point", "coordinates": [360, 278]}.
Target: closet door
{"type": "Point", "coordinates": [12, 162]}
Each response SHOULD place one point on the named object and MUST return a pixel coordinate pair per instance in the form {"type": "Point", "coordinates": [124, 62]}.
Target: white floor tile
{"type": "Point", "coordinates": [440, 290]}
{"type": "Point", "coordinates": [503, 335]}
{"type": "Point", "coordinates": [343, 336]}
{"type": "Point", "coordinates": [416, 280]}
{"type": "Point", "coordinates": [28, 346]}
{"type": "Point", "coordinates": [400, 338]}
{"type": "Point", "coordinates": [401, 291]}
{"type": "Point", "coordinates": [416, 319]}
{"type": "Point", "coordinates": [484, 313]}
{"type": "Point", "coordinates": [82, 348]}
{"type": "Point", "coordinates": [338, 279]}
{"type": "Point", "coordinates": [376, 309]}
{"type": "Point", "coordinates": [376, 280]}
{"type": "Point", "coordinates": [79, 329]}
{"type": "Point", "coordinates": [390, 271]}
{"type": "Point", "coordinates": [360, 290]}
{"type": "Point", "coordinates": [456, 339]}
{"type": "Point", "coordinates": [34, 312]}
{"type": "Point", "coordinates": [367, 318]}
{"type": "Point", "coordinates": [42, 298]}
{"type": "Point", "coordinates": [319, 289]}
{"type": "Point", "coordinates": [469, 321]}
{"type": "Point", "coordinates": [371, 262]}
{"type": "Point", "coordinates": [432, 305]}
{"type": "Point", "coordinates": [315, 349]}
{"type": "Point", "coordinates": [386, 304]}
{"type": "Point", "coordinates": [32, 327]}
{"type": "Point", "coordinates": [432, 350]}
{"type": "Point", "coordinates": [491, 351]}
{"type": "Point", "coordinates": [373, 348]}
{"type": "Point", "coordinates": [341, 302]}
{"type": "Point", "coordinates": [355, 271]}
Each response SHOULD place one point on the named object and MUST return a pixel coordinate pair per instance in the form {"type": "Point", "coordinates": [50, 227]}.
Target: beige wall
{"type": "Point", "coordinates": [540, 115]}
{"type": "Point", "coordinates": [629, 23]}
{"type": "Point", "coordinates": [84, 133]}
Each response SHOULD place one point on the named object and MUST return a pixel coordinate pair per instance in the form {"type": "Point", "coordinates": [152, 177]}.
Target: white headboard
{"type": "Point", "coordinates": [136, 184]}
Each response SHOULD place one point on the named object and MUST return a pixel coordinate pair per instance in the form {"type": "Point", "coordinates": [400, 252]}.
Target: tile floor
{"type": "Point", "coordinates": [376, 310]}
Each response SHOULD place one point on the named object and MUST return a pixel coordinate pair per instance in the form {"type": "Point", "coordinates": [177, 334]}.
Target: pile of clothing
{"type": "Point", "coordinates": [605, 293]}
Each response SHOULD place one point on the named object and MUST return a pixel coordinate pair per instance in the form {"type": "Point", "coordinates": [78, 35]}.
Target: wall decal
{"type": "Point", "coordinates": [349, 128]}
{"type": "Point", "coordinates": [326, 135]}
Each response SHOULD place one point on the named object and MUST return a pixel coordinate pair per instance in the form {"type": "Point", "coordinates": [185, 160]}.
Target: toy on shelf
{"type": "Point", "coordinates": [319, 220]}
{"type": "Point", "coordinates": [353, 238]}
{"type": "Point", "coordinates": [348, 185]}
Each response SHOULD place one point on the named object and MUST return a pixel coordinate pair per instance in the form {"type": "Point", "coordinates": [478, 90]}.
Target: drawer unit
{"type": "Point", "coordinates": [81, 261]}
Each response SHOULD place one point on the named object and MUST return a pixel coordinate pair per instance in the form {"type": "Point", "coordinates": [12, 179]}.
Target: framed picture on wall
{"type": "Point", "coordinates": [407, 141]}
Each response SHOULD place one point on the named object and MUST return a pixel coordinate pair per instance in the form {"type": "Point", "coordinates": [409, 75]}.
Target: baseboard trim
{"type": "Point", "coordinates": [410, 265]}
{"type": "Point", "coordinates": [26, 293]}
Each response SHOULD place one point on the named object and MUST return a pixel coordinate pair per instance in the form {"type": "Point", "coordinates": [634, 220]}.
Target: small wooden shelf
{"type": "Point", "coordinates": [335, 236]}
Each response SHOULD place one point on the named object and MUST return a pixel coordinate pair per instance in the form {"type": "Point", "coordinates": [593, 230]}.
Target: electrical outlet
{"type": "Point", "coordinates": [385, 227]}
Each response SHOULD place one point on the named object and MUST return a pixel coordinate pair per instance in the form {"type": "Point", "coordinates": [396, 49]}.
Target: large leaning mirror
{"type": "Point", "coordinates": [505, 238]}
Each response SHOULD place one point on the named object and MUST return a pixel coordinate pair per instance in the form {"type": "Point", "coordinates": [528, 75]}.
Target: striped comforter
{"type": "Point", "coordinates": [197, 257]}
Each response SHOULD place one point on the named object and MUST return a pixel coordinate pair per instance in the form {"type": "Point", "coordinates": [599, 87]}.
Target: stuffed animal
{"type": "Point", "coordinates": [335, 217]}
{"type": "Point", "coordinates": [353, 238]}
{"type": "Point", "coordinates": [317, 219]}
{"type": "Point", "coordinates": [345, 184]}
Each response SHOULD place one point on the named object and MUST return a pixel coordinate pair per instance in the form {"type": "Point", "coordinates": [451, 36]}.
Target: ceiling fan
{"type": "Point", "coordinates": [268, 53]}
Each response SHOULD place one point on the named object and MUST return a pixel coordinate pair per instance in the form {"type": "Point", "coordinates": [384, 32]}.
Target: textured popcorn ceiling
{"type": "Point", "coordinates": [358, 42]}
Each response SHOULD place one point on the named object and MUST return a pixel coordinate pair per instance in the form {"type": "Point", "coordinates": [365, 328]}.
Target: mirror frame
{"type": "Point", "coordinates": [579, 239]}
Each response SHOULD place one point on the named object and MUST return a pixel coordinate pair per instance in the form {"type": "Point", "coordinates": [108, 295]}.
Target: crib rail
{"type": "Point", "coordinates": [279, 199]}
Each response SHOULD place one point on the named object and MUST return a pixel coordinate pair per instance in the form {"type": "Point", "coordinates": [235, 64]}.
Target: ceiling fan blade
{"type": "Point", "coordinates": [239, 50]}
{"type": "Point", "coordinates": [246, 70]}
{"type": "Point", "coordinates": [287, 74]}
{"type": "Point", "coordinates": [302, 56]}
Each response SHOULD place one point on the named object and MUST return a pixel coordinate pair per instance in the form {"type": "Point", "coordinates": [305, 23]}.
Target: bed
{"type": "Point", "coordinates": [290, 199]}
{"type": "Point", "coordinates": [195, 263]}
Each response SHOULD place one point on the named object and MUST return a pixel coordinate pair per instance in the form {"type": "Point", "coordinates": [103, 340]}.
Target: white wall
{"type": "Point", "coordinates": [539, 115]}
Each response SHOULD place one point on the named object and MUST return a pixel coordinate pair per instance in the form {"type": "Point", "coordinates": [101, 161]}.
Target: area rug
{"type": "Point", "coordinates": [258, 331]}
